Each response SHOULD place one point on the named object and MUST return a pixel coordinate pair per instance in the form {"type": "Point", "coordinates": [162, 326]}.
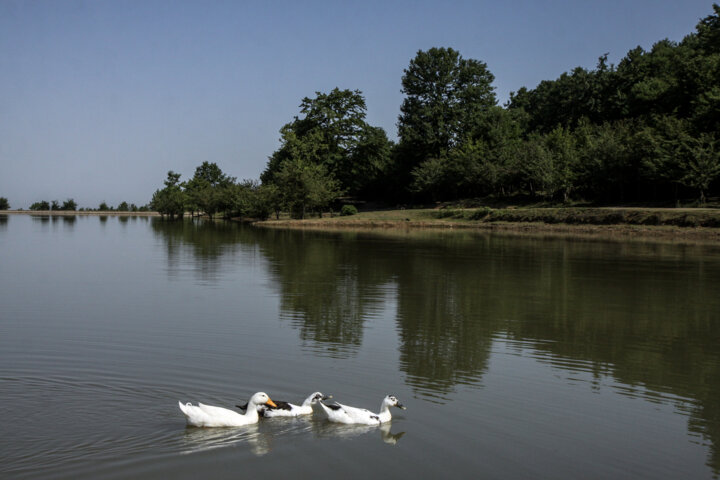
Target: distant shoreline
{"type": "Point", "coordinates": [66, 213]}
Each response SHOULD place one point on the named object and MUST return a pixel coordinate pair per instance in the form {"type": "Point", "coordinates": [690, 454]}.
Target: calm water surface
{"type": "Point", "coordinates": [516, 357]}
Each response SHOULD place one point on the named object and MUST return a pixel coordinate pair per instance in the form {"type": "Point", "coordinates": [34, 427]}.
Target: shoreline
{"type": "Point", "coordinates": [439, 220]}
{"type": "Point", "coordinates": [520, 228]}
{"type": "Point", "coordinates": [65, 213]}
{"type": "Point", "coordinates": [669, 225]}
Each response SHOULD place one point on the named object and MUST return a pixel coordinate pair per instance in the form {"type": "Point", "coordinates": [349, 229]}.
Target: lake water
{"type": "Point", "coordinates": [517, 357]}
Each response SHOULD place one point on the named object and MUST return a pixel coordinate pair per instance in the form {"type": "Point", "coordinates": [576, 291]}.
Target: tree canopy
{"type": "Point", "coordinates": [170, 200]}
{"type": "Point", "coordinates": [209, 190]}
{"type": "Point", "coordinates": [332, 132]}
{"type": "Point", "coordinates": [446, 98]}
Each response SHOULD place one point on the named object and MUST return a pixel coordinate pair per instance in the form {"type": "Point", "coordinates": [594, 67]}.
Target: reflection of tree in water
{"type": "Point", "coordinates": [206, 246]}
{"type": "Point", "coordinates": [3, 222]}
{"type": "Point", "coordinates": [653, 325]}
{"type": "Point", "coordinates": [56, 220]}
{"type": "Point", "coordinates": [456, 293]}
{"type": "Point", "coordinates": [656, 334]}
{"type": "Point", "coordinates": [331, 283]}
{"type": "Point", "coordinates": [445, 331]}
{"type": "Point", "coordinates": [328, 287]}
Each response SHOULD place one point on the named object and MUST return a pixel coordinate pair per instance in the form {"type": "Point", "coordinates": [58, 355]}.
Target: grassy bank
{"type": "Point", "coordinates": [678, 217]}
{"type": "Point", "coordinates": [702, 224]}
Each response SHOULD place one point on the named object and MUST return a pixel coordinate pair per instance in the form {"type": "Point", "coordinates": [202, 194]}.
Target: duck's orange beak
{"type": "Point", "coordinates": [271, 403]}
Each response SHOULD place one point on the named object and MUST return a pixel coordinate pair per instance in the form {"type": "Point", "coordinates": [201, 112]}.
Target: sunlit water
{"type": "Point", "coordinates": [516, 357]}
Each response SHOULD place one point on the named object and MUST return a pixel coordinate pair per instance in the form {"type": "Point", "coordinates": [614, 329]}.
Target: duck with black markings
{"type": "Point", "coordinates": [339, 413]}
{"type": "Point", "coordinates": [286, 409]}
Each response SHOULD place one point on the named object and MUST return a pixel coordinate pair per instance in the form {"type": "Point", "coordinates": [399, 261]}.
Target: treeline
{"type": "Point", "coordinates": [71, 205]}
{"type": "Point", "coordinates": [645, 130]}
{"type": "Point", "coordinates": [210, 191]}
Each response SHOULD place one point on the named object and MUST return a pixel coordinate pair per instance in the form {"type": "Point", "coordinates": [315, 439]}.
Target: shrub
{"type": "Point", "coordinates": [348, 210]}
{"type": "Point", "coordinates": [445, 213]}
{"type": "Point", "coordinates": [479, 214]}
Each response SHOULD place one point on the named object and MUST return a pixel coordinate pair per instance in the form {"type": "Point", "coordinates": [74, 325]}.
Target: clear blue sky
{"type": "Point", "coordinates": [99, 99]}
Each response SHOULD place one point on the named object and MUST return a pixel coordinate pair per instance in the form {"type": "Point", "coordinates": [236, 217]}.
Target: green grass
{"type": "Point", "coordinates": [678, 217]}
{"type": "Point", "coordinates": [588, 216]}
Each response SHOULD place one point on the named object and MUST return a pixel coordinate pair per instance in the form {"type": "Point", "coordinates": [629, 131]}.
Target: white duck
{"type": "Point", "coordinates": [285, 409]}
{"type": "Point", "coordinates": [209, 416]}
{"type": "Point", "coordinates": [339, 413]}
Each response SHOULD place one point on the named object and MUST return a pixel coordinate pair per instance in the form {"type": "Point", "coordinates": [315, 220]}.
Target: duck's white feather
{"type": "Point", "coordinates": [337, 412]}
{"type": "Point", "coordinates": [351, 415]}
{"type": "Point", "coordinates": [210, 416]}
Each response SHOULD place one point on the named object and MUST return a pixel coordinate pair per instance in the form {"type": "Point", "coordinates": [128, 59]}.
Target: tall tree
{"type": "Point", "coordinates": [332, 132]}
{"type": "Point", "coordinates": [371, 160]}
{"type": "Point", "coordinates": [548, 164]}
{"type": "Point", "coordinates": [446, 96]}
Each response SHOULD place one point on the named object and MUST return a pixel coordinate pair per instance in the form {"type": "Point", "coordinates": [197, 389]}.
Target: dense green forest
{"type": "Point", "coordinates": [644, 130]}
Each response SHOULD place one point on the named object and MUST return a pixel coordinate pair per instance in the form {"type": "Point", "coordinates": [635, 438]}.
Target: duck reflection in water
{"type": "Point", "coordinates": [198, 440]}
{"type": "Point", "coordinates": [325, 429]}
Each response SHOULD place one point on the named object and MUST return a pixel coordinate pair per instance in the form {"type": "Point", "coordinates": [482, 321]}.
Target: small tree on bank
{"type": "Point", "coordinates": [701, 164]}
{"type": "Point", "coordinates": [210, 190]}
{"type": "Point", "coordinates": [170, 200]}
{"type": "Point", "coordinates": [4, 204]}
{"type": "Point", "coordinates": [305, 186]}
{"type": "Point", "coordinates": [69, 205]}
